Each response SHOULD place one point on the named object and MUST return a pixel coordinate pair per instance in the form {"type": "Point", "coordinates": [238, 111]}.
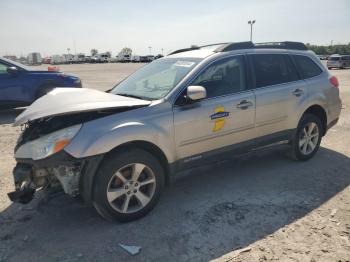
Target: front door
{"type": "Point", "coordinates": [11, 86]}
{"type": "Point", "coordinates": [225, 117]}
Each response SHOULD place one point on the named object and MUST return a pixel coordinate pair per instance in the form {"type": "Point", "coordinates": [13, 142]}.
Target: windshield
{"type": "Point", "coordinates": [156, 79]}
{"type": "Point", "coordinates": [16, 64]}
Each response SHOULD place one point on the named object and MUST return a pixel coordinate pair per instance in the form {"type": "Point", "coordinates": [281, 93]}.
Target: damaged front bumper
{"type": "Point", "coordinates": [74, 175]}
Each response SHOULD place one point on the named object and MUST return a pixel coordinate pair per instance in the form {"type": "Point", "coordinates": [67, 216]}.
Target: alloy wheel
{"type": "Point", "coordinates": [309, 138]}
{"type": "Point", "coordinates": [131, 188]}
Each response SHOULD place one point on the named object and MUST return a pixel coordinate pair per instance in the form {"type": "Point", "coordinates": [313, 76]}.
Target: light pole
{"type": "Point", "coordinates": [251, 22]}
{"type": "Point", "coordinates": [150, 50]}
{"type": "Point", "coordinates": [162, 51]}
{"type": "Point", "coordinates": [68, 50]}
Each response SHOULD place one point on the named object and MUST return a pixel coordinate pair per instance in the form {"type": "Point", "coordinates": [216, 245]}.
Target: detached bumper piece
{"type": "Point", "coordinates": [24, 189]}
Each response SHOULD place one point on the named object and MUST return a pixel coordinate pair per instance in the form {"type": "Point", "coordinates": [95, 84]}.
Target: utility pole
{"type": "Point", "coordinates": [331, 42]}
{"type": "Point", "coordinates": [150, 50]}
{"type": "Point", "coordinates": [251, 23]}
{"type": "Point", "coordinates": [68, 49]}
{"type": "Point", "coordinates": [162, 51]}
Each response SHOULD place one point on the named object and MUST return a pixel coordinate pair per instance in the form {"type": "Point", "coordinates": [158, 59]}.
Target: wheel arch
{"type": "Point", "coordinates": [88, 176]}
{"type": "Point", "coordinates": [320, 112]}
{"type": "Point", "coordinates": [149, 147]}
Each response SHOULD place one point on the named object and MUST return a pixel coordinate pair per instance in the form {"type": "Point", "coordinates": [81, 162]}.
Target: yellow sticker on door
{"type": "Point", "coordinates": [219, 118]}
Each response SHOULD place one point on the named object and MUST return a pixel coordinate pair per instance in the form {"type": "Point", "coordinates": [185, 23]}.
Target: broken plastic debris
{"type": "Point", "coordinates": [334, 211]}
{"type": "Point", "coordinates": [132, 250]}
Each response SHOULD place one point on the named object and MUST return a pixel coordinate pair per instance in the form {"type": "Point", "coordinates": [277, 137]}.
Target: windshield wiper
{"type": "Point", "coordinates": [129, 95]}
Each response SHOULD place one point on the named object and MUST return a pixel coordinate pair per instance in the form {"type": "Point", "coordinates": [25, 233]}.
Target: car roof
{"type": "Point", "coordinates": [205, 51]}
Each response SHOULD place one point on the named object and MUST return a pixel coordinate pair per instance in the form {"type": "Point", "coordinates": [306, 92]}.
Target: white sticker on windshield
{"type": "Point", "coordinates": [184, 63]}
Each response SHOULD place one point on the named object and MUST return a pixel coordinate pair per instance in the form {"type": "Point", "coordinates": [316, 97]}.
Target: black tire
{"type": "Point", "coordinates": [296, 151]}
{"type": "Point", "coordinates": [329, 68]}
{"type": "Point", "coordinates": [43, 91]}
{"type": "Point", "coordinates": [106, 174]}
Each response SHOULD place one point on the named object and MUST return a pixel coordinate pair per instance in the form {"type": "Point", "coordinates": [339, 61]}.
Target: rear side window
{"type": "Point", "coordinates": [307, 67]}
{"type": "Point", "coordinates": [273, 69]}
{"type": "Point", "coordinates": [334, 58]}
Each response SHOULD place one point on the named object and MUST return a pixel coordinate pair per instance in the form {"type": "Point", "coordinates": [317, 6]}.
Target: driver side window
{"type": "Point", "coordinates": [223, 77]}
{"type": "Point", "coordinates": [3, 68]}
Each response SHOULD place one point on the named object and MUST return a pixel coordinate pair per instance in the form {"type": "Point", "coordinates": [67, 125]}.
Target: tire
{"type": "Point", "coordinates": [329, 68]}
{"type": "Point", "coordinates": [43, 91]}
{"type": "Point", "coordinates": [304, 151]}
{"type": "Point", "coordinates": [127, 199]}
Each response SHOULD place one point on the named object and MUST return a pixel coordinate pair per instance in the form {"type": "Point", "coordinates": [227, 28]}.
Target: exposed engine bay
{"type": "Point", "coordinates": [58, 170]}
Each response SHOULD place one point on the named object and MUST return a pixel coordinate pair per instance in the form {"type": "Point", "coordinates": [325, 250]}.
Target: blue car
{"type": "Point", "coordinates": [21, 85]}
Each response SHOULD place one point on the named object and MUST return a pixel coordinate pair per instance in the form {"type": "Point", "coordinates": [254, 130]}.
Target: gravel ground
{"type": "Point", "coordinates": [273, 210]}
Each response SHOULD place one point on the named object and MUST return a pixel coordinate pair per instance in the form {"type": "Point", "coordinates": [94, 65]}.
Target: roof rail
{"type": "Point", "coordinates": [235, 46]}
{"type": "Point", "coordinates": [225, 47]}
{"type": "Point", "coordinates": [282, 45]}
{"type": "Point", "coordinates": [184, 50]}
{"type": "Point", "coordinates": [194, 47]}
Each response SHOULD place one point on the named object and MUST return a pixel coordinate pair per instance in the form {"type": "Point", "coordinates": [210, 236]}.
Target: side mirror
{"type": "Point", "coordinates": [12, 70]}
{"type": "Point", "coordinates": [196, 93]}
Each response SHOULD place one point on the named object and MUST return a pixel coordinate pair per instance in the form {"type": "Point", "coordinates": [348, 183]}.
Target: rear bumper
{"type": "Point", "coordinates": [333, 123]}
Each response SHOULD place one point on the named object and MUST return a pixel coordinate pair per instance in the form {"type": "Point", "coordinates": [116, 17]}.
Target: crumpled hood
{"type": "Point", "coordinates": [62, 101]}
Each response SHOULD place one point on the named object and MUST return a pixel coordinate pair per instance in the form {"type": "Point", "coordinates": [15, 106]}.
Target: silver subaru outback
{"type": "Point", "coordinates": [118, 149]}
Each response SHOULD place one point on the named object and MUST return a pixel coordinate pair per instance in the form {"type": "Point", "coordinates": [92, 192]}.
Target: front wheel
{"type": "Point", "coordinates": [307, 138]}
{"type": "Point", "coordinates": [128, 185]}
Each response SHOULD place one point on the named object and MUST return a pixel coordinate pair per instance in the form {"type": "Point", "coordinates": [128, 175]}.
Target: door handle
{"type": "Point", "coordinates": [244, 104]}
{"type": "Point", "coordinates": [298, 92]}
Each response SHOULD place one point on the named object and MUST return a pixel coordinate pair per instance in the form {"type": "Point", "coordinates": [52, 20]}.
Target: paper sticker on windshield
{"type": "Point", "coordinates": [184, 63]}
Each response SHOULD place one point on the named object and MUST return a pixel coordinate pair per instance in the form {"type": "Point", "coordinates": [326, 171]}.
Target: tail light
{"type": "Point", "coordinates": [334, 81]}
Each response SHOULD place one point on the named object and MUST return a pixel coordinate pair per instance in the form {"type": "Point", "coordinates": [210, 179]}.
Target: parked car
{"type": "Point", "coordinates": [57, 60]}
{"type": "Point", "coordinates": [338, 61]}
{"type": "Point", "coordinates": [323, 57]}
{"type": "Point", "coordinates": [88, 59]}
{"type": "Point", "coordinates": [117, 150]}
{"type": "Point", "coordinates": [68, 58]}
{"type": "Point", "coordinates": [123, 58]}
{"type": "Point", "coordinates": [101, 58]}
{"type": "Point", "coordinates": [79, 59]}
{"type": "Point", "coordinates": [21, 85]}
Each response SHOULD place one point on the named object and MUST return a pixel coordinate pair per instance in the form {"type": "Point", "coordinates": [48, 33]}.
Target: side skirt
{"type": "Point", "coordinates": [282, 137]}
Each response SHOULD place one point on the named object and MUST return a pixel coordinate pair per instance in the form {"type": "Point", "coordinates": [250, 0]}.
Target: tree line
{"type": "Point", "coordinates": [330, 49]}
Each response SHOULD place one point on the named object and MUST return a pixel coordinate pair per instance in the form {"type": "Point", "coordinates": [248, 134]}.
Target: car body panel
{"type": "Point", "coordinates": [153, 124]}
{"type": "Point", "coordinates": [217, 122]}
{"type": "Point", "coordinates": [71, 100]}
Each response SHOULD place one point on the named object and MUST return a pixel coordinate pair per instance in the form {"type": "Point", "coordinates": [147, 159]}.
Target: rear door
{"type": "Point", "coordinates": [224, 118]}
{"type": "Point", "coordinates": [278, 91]}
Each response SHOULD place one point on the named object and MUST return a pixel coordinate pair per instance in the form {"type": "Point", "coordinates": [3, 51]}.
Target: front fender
{"type": "Point", "coordinates": [94, 143]}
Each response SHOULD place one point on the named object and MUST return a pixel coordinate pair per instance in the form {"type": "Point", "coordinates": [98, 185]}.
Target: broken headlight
{"type": "Point", "coordinates": [48, 144]}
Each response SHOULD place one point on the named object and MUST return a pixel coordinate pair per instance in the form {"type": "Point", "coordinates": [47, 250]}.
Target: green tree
{"type": "Point", "coordinates": [126, 51]}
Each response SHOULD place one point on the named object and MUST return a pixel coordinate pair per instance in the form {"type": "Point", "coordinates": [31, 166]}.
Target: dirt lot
{"type": "Point", "coordinates": [258, 207]}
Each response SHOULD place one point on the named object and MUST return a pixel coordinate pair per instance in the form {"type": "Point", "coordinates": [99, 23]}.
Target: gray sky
{"type": "Point", "coordinates": [52, 26]}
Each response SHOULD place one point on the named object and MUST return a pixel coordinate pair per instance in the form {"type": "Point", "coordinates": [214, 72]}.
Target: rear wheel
{"type": "Point", "coordinates": [128, 185]}
{"type": "Point", "coordinates": [308, 137]}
